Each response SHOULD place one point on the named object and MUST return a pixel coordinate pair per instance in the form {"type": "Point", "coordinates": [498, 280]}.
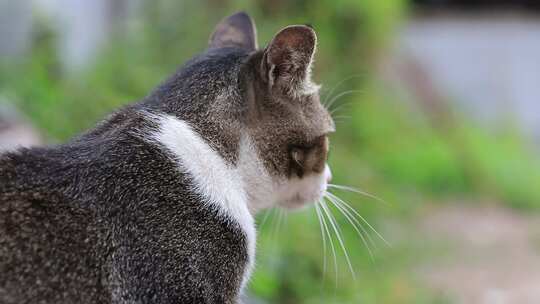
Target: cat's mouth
{"type": "Point", "coordinates": [307, 190]}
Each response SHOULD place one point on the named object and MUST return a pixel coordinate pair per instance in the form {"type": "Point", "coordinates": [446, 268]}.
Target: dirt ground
{"type": "Point", "coordinates": [493, 255]}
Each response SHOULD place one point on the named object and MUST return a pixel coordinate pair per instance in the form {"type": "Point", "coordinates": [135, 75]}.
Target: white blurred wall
{"type": "Point", "coordinates": [15, 27]}
{"type": "Point", "coordinates": [83, 26]}
{"type": "Point", "coordinates": [488, 64]}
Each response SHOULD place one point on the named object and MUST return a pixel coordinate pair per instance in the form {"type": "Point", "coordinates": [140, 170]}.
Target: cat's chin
{"type": "Point", "coordinates": [300, 203]}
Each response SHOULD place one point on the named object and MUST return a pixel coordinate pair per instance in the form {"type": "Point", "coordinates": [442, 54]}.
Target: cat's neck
{"type": "Point", "coordinates": [224, 186]}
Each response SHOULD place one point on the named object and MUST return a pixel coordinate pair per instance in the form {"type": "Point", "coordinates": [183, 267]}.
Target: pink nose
{"type": "Point", "coordinates": [328, 174]}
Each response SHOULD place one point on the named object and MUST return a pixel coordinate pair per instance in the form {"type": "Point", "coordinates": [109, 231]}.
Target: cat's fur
{"type": "Point", "coordinates": [156, 204]}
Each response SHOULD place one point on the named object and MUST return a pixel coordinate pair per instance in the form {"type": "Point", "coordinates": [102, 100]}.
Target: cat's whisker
{"type": "Point", "coordinates": [275, 223]}
{"type": "Point", "coordinates": [340, 204]}
{"type": "Point", "coordinates": [358, 191]}
{"type": "Point", "coordinates": [345, 204]}
{"type": "Point", "coordinates": [277, 226]}
{"type": "Point", "coordinates": [338, 96]}
{"type": "Point", "coordinates": [339, 107]}
{"type": "Point", "coordinates": [356, 224]}
{"type": "Point", "coordinates": [327, 96]}
{"type": "Point", "coordinates": [329, 235]}
{"type": "Point", "coordinates": [323, 236]}
{"type": "Point", "coordinates": [340, 118]}
{"type": "Point", "coordinates": [337, 230]}
{"type": "Point", "coordinates": [265, 218]}
{"type": "Point", "coordinates": [285, 218]}
{"type": "Point", "coordinates": [339, 121]}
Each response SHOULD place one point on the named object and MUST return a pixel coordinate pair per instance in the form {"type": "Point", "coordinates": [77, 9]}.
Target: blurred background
{"type": "Point", "coordinates": [437, 104]}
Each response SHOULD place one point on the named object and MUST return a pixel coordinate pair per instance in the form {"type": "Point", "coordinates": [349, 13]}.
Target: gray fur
{"type": "Point", "coordinates": [107, 217]}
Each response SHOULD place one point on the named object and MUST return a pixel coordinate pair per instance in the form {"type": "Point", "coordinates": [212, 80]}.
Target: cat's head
{"type": "Point", "coordinates": [259, 109]}
{"type": "Point", "coordinates": [285, 119]}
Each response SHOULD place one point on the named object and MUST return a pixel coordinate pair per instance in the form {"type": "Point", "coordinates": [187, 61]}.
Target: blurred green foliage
{"type": "Point", "coordinates": [382, 145]}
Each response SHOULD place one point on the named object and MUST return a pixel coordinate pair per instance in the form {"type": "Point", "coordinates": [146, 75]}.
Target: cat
{"type": "Point", "coordinates": [156, 204]}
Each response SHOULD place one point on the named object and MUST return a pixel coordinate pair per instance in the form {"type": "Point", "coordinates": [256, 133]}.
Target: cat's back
{"type": "Point", "coordinates": [108, 218]}
{"type": "Point", "coordinates": [49, 245]}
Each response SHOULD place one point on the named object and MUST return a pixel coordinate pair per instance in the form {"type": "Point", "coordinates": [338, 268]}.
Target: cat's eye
{"type": "Point", "coordinates": [308, 158]}
{"type": "Point", "coordinates": [299, 153]}
{"type": "Point", "coordinates": [296, 155]}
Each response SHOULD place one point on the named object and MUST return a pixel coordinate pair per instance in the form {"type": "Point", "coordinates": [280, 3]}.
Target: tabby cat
{"type": "Point", "coordinates": [156, 204]}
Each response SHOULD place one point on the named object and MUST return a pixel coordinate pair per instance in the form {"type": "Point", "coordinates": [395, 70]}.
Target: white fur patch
{"type": "Point", "coordinates": [222, 184]}
{"type": "Point", "coordinates": [237, 192]}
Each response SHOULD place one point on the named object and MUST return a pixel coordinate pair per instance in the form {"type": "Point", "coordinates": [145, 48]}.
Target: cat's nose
{"type": "Point", "coordinates": [327, 173]}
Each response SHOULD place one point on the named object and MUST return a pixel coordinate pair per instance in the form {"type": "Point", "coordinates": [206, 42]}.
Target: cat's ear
{"type": "Point", "coordinates": [237, 30]}
{"type": "Point", "coordinates": [287, 59]}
